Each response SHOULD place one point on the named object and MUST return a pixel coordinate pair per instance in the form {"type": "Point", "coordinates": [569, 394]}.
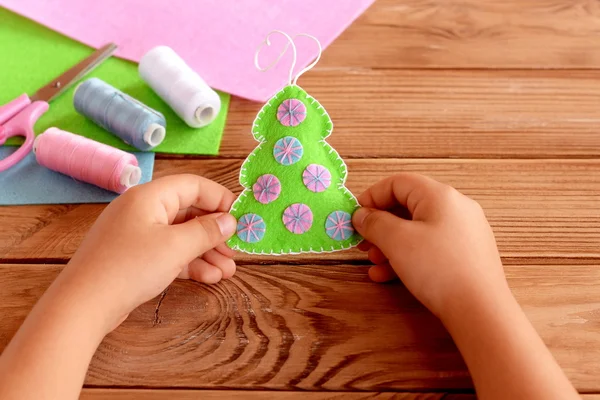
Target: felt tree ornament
{"type": "Point", "coordinates": [294, 199]}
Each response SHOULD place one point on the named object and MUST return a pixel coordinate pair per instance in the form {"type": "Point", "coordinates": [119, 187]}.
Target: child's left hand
{"type": "Point", "coordinates": [172, 227]}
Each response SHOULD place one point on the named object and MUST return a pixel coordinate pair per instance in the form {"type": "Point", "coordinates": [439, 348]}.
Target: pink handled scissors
{"type": "Point", "coordinates": [18, 117]}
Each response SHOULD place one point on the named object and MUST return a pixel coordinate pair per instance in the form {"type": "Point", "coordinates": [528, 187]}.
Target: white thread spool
{"type": "Point", "coordinates": [179, 86]}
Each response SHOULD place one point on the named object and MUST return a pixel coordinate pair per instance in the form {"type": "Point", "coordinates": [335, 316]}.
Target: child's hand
{"type": "Point", "coordinates": [443, 252]}
{"type": "Point", "coordinates": [172, 227]}
{"type": "Point", "coordinates": [441, 246]}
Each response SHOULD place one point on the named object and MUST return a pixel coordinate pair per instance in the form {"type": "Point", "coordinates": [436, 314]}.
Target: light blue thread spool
{"type": "Point", "coordinates": [120, 114]}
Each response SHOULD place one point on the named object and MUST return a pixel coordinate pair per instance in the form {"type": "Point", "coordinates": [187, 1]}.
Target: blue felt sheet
{"type": "Point", "coordinates": [30, 183]}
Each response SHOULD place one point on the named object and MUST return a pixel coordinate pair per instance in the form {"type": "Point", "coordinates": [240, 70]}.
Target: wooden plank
{"type": "Point", "coordinates": [314, 328]}
{"type": "Point", "coordinates": [538, 209]}
{"type": "Point", "coordinates": [471, 34]}
{"type": "Point", "coordinates": [126, 394]}
{"type": "Point", "coordinates": [153, 394]}
{"type": "Point", "coordinates": [439, 114]}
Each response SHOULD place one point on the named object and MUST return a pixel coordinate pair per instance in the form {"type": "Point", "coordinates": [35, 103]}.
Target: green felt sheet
{"type": "Point", "coordinates": [31, 55]}
{"type": "Point", "coordinates": [311, 133]}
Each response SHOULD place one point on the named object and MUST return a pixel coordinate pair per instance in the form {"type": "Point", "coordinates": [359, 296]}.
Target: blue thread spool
{"type": "Point", "coordinates": [135, 123]}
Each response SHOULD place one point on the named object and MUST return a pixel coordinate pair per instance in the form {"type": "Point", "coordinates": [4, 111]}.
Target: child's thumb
{"type": "Point", "coordinates": [201, 234]}
{"type": "Point", "coordinates": [381, 228]}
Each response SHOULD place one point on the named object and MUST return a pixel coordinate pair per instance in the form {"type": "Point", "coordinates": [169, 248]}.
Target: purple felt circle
{"type": "Point", "coordinates": [316, 178]}
{"type": "Point", "coordinates": [291, 112]}
{"type": "Point", "coordinates": [298, 218]}
{"type": "Point", "coordinates": [266, 189]}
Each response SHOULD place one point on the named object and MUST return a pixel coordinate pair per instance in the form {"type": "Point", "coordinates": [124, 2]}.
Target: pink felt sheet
{"type": "Point", "coordinates": [217, 38]}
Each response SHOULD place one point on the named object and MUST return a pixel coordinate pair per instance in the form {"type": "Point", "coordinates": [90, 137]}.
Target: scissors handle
{"type": "Point", "coordinates": [11, 109]}
{"type": "Point", "coordinates": [20, 124]}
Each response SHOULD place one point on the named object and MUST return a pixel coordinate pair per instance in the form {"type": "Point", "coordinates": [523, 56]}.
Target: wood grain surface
{"type": "Point", "coordinates": [128, 394]}
{"type": "Point", "coordinates": [498, 98]}
{"type": "Point", "coordinates": [538, 208]}
{"type": "Point", "coordinates": [486, 34]}
{"type": "Point", "coordinates": [447, 113]}
{"type": "Point", "coordinates": [314, 328]}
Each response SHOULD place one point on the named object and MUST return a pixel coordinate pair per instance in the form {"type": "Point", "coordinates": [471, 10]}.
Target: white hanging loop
{"type": "Point", "coordinates": [267, 42]}
{"type": "Point", "coordinates": [308, 68]}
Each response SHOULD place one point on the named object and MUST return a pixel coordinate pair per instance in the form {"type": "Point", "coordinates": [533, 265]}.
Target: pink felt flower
{"type": "Point", "coordinates": [298, 218]}
{"type": "Point", "coordinates": [266, 189]}
{"type": "Point", "coordinates": [316, 178]}
{"type": "Point", "coordinates": [291, 112]}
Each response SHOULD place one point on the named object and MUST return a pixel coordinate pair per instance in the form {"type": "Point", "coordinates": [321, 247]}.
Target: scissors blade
{"type": "Point", "coordinates": [63, 82]}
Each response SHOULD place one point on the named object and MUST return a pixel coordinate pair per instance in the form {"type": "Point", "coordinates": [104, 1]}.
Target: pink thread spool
{"type": "Point", "coordinates": [87, 160]}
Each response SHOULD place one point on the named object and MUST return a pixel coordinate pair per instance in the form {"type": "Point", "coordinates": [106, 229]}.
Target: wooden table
{"type": "Point", "coordinates": [499, 98]}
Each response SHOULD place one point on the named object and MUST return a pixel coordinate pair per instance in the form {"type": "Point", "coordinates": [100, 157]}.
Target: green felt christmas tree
{"type": "Point", "coordinates": [294, 198]}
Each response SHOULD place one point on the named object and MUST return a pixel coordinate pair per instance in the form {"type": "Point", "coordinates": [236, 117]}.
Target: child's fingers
{"type": "Point", "coordinates": [376, 256]}
{"type": "Point", "coordinates": [405, 189]}
{"type": "Point", "coordinates": [224, 263]}
{"type": "Point", "coordinates": [364, 245]}
{"type": "Point", "coordinates": [202, 271]}
{"type": "Point", "coordinates": [383, 229]}
{"type": "Point", "coordinates": [225, 250]}
{"type": "Point", "coordinates": [382, 273]}
{"type": "Point", "coordinates": [177, 192]}
{"type": "Point", "coordinates": [186, 214]}
{"type": "Point", "coordinates": [192, 212]}
{"type": "Point", "coordinates": [199, 235]}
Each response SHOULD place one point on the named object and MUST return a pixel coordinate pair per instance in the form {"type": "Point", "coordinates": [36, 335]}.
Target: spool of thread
{"type": "Point", "coordinates": [179, 86]}
{"type": "Point", "coordinates": [87, 160]}
{"type": "Point", "coordinates": [122, 115]}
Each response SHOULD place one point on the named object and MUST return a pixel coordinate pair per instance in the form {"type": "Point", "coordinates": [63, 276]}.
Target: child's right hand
{"type": "Point", "coordinates": [446, 255]}
{"type": "Point", "coordinates": [445, 252]}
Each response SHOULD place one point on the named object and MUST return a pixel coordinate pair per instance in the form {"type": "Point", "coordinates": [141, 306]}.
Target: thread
{"type": "Point", "coordinates": [87, 160]}
{"type": "Point", "coordinates": [179, 86]}
{"type": "Point", "coordinates": [122, 115]}
{"type": "Point", "coordinates": [290, 42]}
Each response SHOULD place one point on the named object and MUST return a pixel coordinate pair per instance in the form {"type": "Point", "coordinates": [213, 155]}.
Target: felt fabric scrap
{"type": "Point", "coordinates": [307, 208]}
{"type": "Point", "coordinates": [215, 37]}
{"type": "Point", "coordinates": [30, 183]}
{"type": "Point", "coordinates": [33, 55]}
